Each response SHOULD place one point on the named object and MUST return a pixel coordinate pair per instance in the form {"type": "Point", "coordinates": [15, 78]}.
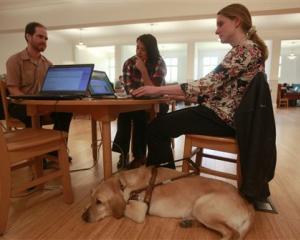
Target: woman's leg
{"type": "Point", "coordinates": [193, 120]}
{"type": "Point", "coordinates": [139, 142]}
{"type": "Point", "coordinates": [122, 138]}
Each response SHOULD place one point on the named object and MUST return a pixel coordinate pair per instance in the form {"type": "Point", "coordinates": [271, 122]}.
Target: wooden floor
{"type": "Point", "coordinates": [43, 214]}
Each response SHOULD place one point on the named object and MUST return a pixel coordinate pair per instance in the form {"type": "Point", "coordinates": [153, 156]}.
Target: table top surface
{"type": "Point", "coordinates": [91, 101]}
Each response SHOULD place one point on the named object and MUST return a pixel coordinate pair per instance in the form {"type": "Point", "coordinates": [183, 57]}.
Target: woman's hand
{"type": "Point", "coordinates": [140, 65]}
{"type": "Point", "coordinates": [146, 91]}
{"type": "Point", "coordinates": [193, 99]}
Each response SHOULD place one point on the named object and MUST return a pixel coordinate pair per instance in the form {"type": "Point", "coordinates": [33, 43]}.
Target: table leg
{"type": "Point", "coordinates": [107, 158]}
{"type": "Point", "coordinates": [94, 139]}
{"type": "Point", "coordinates": [35, 121]}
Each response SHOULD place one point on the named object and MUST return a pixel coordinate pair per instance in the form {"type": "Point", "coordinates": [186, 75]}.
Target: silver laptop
{"type": "Point", "coordinates": [63, 82]}
{"type": "Point", "coordinates": [100, 86]}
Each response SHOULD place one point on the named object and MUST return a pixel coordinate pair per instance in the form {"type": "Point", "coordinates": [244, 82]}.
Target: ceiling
{"type": "Point", "coordinates": [272, 22]}
{"type": "Point", "coordinates": [173, 19]}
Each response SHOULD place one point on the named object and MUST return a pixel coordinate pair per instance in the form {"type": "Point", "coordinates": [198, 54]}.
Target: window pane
{"type": "Point", "coordinates": [172, 69]}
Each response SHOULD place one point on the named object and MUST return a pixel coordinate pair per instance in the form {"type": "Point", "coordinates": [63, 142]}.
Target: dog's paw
{"type": "Point", "coordinates": [188, 223]}
{"type": "Point", "coordinates": [136, 211]}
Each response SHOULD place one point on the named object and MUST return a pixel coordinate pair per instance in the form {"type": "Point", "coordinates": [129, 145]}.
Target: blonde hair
{"type": "Point", "coordinates": [239, 11]}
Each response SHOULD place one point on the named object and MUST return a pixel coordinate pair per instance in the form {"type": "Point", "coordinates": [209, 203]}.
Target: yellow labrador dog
{"type": "Point", "coordinates": [214, 203]}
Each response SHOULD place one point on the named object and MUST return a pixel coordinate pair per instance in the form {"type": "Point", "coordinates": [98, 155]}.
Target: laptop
{"type": "Point", "coordinates": [63, 82]}
{"type": "Point", "coordinates": [100, 86]}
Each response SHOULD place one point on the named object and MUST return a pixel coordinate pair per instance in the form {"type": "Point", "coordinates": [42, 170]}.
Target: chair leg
{"type": "Point", "coordinates": [66, 180]}
{"type": "Point", "coordinates": [199, 157]}
{"type": "Point", "coordinates": [5, 188]}
{"type": "Point", "coordinates": [173, 143]}
{"type": "Point", "coordinates": [186, 153]}
{"type": "Point", "coordinates": [238, 172]}
{"type": "Point", "coordinates": [37, 168]}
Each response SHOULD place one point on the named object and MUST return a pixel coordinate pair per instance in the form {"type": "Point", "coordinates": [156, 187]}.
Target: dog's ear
{"type": "Point", "coordinates": [117, 205]}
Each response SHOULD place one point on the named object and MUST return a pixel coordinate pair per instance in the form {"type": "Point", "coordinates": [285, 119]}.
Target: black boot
{"type": "Point", "coordinates": [123, 161]}
{"type": "Point", "coordinates": [136, 162]}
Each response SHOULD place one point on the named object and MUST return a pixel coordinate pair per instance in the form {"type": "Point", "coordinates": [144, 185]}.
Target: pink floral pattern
{"type": "Point", "coordinates": [222, 89]}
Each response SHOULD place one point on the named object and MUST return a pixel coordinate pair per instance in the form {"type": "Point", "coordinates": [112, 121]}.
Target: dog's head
{"type": "Point", "coordinates": [106, 200]}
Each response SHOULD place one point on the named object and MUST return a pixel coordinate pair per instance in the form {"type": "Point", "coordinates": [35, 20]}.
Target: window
{"type": "Point", "coordinates": [172, 70]}
{"type": "Point", "coordinates": [103, 57]}
{"type": "Point", "coordinates": [209, 64]}
{"type": "Point", "coordinates": [111, 69]}
{"type": "Point", "coordinates": [279, 68]}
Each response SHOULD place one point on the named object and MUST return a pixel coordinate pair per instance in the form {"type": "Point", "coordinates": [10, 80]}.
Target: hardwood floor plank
{"type": "Point", "coordinates": [44, 215]}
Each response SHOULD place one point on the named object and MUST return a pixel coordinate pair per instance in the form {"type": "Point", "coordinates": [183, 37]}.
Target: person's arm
{"type": "Point", "coordinates": [239, 60]}
{"type": "Point", "coordinates": [157, 78]}
{"type": "Point", "coordinates": [161, 90]}
{"type": "Point", "coordinates": [159, 74]}
{"type": "Point", "coordinates": [140, 65]}
{"type": "Point", "coordinates": [13, 77]}
{"type": "Point", "coordinates": [130, 79]}
{"type": "Point", "coordinates": [14, 91]}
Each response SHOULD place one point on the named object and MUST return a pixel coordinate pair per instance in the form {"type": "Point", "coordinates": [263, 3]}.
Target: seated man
{"type": "Point", "coordinates": [25, 73]}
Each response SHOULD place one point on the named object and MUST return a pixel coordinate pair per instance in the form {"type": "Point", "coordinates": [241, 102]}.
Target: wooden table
{"type": "Point", "coordinates": [292, 95]}
{"type": "Point", "coordinates": [104, 110]}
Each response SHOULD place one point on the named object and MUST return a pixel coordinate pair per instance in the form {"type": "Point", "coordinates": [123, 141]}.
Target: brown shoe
{"type": "Point", "coordinates": [137, 162]}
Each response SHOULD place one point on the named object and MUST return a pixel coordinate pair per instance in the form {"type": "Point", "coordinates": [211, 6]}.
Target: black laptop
{"type": "Point", "coordinates": [100, 86]}
{"type": "Point", "coordinates": [63, 82]}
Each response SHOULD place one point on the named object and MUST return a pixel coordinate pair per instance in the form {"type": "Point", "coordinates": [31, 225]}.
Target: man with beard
{"type": "Point", "coordinates": [25, 73]}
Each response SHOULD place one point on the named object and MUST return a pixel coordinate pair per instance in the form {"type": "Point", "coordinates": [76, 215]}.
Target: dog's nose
{"type": "Point", "coordinates": [86, 216]}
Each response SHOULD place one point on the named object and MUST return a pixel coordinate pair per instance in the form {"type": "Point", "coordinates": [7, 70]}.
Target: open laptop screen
{"type": "Point", "coordinates": [100, 84]}
{"type": "Point", "coordinates": [100, 87]}
{"type": "Point", "coordinates": [67, 78]}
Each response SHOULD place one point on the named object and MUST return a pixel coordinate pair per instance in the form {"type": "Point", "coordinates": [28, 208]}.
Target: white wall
{"type": "Point", "coordinates": [102, 57]}
{"type": "Point", "coordinates": [59, 51]}
{"type": "Point", "coordinates": [10, 44]}
{"type": "Point", "coordinates": [290, 70]}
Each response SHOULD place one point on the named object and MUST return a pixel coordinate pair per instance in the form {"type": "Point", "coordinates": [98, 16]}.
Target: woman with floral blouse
{"type": "Point", "coordinates": [219, 93]}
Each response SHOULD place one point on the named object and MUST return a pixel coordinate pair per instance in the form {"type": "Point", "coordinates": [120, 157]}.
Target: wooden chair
{"type": "Point", "coordinates": [11, 123]}
{"type": "Point", "coordinates": [22, 148]}
{"type": "Point", "coordinates": [281, 100]}
{"type": "Point", "coordinates": [223, 144]}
